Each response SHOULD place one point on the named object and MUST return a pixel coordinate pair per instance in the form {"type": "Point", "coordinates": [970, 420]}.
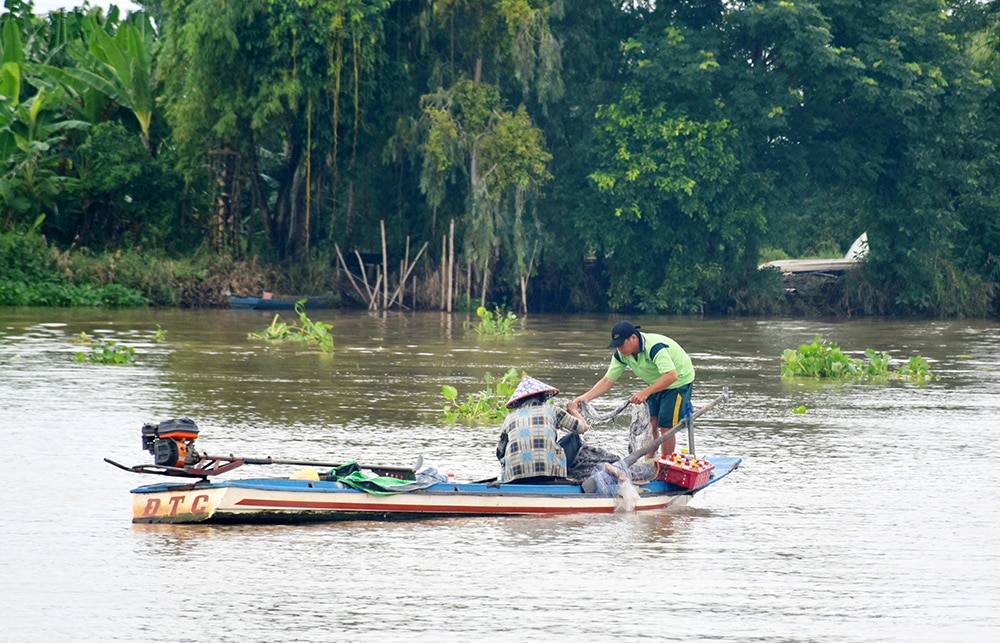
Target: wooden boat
{"type": "Point", "coordinates": [284, 500]}
{"type": "Point", "coordinates": [414, 492]}
{"type": "Point", "coordinates": [280, 302]}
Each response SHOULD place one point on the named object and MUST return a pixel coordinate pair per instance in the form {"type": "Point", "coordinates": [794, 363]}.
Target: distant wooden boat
{"type": "Point", "coordinates": [280, 302]}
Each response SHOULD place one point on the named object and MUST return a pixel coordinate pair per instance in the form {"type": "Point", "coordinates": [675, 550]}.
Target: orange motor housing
{"type": "Point", "coordinates": [171, 442]}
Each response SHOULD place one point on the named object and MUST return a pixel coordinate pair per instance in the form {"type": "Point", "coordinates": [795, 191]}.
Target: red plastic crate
{"type": "Point", "coordinates": [689, 476]}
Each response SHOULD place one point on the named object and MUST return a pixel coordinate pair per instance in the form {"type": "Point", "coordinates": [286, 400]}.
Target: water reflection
{"type": "Point", "coordinates": [830, 530]}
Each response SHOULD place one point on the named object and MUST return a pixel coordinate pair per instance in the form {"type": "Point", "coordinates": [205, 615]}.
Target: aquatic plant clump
{"type": "Point", "coordinates": [495, 322]}
{"type": "Point", "coordinates": [488, 405]}
{"type": "Point", "coordinates": [107, 352]}
{"type": "Point", "coordinates": [313, 332]}
{"type": "Point", "coordinates": [822, 359]}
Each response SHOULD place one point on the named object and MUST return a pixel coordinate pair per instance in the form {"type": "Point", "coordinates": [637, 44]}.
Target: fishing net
{"type": "Point", "coordinates": [630, 419]}
{"type": "Point", "coordinates": [615, 480]}
{"type": "Point", "coordinates": [636, 421]}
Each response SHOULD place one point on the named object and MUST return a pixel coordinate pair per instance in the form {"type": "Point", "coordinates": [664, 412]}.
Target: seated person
{"type": "Point", "coordinates": [529, 449]}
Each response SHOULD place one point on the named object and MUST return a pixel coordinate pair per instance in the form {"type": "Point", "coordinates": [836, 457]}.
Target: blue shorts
{"type": "Point", "coordinates": [670, 406]}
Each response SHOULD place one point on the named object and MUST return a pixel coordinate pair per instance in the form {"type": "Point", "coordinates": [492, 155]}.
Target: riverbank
{"type": "Point", "coordinates": [32, 273]}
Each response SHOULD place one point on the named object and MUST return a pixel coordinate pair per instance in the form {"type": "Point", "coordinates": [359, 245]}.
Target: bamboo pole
{"type": "Point", "coordinates": [385, 270]}
{"type": "Point", "coordinates": [408, 271]}
{"type": "Point", "coordinates": [402, 269]}
{"type": "Point", "coordinates": [349, 275]}
{"type": "Point", "coordinates": [364, 275]}
{"type": "Point", "coordinates": [373, 304]}
{"type": "Point", "coordinates": [524, 280]}
{"type": "Point", "coordinates": [451, 267]}
{"type": "Point", "coordinates": [486, 281]}
{"type": "Point", "coordinates": [444, 270]}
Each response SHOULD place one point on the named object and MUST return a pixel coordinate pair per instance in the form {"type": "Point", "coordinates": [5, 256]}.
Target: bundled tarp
{"type": "Point", "coordinates": [352, 475]}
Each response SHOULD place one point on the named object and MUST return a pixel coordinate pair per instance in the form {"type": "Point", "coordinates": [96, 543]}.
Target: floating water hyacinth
{"type": "Point", "coordinates": [822, 359]}
{"type": "Point", "coordinates": [495, 322]}
{"type": "Point", "coordinates": [313, 332]}
{"type": "Point", "coordinates": [108, 352]}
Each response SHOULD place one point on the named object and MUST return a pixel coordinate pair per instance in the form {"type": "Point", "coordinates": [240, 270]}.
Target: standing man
{"type": "Point", "coordinates": [662, 364]}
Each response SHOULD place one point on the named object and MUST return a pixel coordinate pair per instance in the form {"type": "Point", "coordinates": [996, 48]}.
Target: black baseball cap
{"type": "Point", "coordinates": [622, 331]}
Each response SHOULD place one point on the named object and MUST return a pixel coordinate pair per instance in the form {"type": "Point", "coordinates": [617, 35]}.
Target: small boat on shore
{"type": "Point", "coordinates": [280, 302]}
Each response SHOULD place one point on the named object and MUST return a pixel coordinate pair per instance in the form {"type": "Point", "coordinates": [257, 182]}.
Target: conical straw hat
{"type": "Point", "coordinates": [529, 386]}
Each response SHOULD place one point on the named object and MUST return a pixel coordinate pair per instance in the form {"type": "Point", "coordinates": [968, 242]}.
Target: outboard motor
{"type": "Point", "coordinates": [171, 442]}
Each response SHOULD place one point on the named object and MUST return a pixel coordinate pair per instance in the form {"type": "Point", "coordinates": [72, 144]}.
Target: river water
{"type": "Point", "coordinates": [873, 516]}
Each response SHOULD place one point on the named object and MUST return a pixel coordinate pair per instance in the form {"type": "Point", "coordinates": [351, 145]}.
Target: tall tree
{"type": "Point", "coordinates": [883, 102]}
{"type": "Point", "coordinates": [263, 83]}
{"type": "Point", "coordinates": [485, 48]}
{"type": "Point", "coordinates": [683, 218]}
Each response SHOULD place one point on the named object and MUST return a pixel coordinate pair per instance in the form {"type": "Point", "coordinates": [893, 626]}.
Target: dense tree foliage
{"type": "Point", "coordinates": [597, 154]}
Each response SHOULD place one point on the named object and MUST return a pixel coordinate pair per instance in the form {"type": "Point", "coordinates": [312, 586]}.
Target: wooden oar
{"type": "Point", "coordinates": [590, 484]}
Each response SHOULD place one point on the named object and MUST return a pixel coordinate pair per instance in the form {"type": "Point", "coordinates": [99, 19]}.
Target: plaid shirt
{"type": "Point", "coordinates": [529, 445]}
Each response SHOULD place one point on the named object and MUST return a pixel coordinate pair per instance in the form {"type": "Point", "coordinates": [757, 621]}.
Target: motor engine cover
{"type": "Point", "coordinates": [171, 443]}
{"type": "Point", "coordinates": [173, 453]}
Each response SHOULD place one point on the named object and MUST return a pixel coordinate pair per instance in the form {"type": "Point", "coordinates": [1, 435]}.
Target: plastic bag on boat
{"type": "Point", "coordinates": [627, 498]}
{"type": "Point", "coordinates": [305, 474]}
{"type": "Point", "coordinates": [431, 474]}
{"type": "Point", "coordinates": [643, 472]}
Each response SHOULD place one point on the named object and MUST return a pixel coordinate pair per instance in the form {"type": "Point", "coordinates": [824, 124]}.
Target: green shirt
{"type": "Point", "coordinates": [658, 355]}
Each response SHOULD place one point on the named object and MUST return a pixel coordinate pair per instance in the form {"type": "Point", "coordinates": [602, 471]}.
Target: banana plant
{"type": "Point", "coordinates": [119, 67]}
{"type": "Point", "coordinates": [10, 64]}
{"type": "Point", "coordinates": [30, 133]}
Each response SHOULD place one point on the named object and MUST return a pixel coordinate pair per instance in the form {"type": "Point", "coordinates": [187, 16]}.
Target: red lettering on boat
{"type": "Point", "coordinates": [152, 506]}
{"type": "Point", "coordinates": [196, 507]}
{"type": "Point", "coordinates": [175, 501]}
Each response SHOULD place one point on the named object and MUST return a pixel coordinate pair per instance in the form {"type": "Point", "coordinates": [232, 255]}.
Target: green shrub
{"type": "Point", "coordinates": [31, 275]}
{"type": "Point", "coordinates": [25, 258]}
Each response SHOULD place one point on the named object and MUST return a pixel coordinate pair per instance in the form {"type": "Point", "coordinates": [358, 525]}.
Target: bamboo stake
{"type": "Point", "coordinates": [373, 305]}
{"type": "Point", "coordinates": [524, 280]}
{"type": "Point", "coordinates": [364, 275]}
{"type": "Point", "coordinates": [385, 270]}
{"type": "Point", "coordinates": [444, 267]}
{"type": "Point", "coordinates": [408, 271]}
{"type": "Point", "coordinates": [451, 267]}
{"type": "Point", "coordinates": [349, 275]}
{"type": "Point", "coordinates": [402, 269]}
{"type": "Point", "coordinates": [486, 280]}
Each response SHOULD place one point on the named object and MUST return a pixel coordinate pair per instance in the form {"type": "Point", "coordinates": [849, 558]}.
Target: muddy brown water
{"type": "Point", "coordinates": [871, 517]}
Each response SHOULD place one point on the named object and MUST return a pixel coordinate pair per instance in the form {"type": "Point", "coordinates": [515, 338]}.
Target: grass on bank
{"type": "Point", "coordinates": [34, 274]}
